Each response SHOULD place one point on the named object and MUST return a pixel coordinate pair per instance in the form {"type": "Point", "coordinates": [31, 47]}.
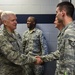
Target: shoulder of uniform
{"type": "Point", "coordinates": [39, 30]}
{"type": "Point", "coordinates": [70, 30]}
{"type": "Point", "coordinates": [25, 31]}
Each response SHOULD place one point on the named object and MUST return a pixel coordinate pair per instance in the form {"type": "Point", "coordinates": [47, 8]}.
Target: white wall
{"type": "Point", "coordinates": [73, 1]}
{"type": "Point", "coordinates": [29, 6]}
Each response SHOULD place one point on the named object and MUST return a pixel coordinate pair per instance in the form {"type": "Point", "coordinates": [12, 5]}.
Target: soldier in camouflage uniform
{"type": "Point", "coordinates": [65, 54]}
{"type": "Point", "coordinates": [11, 53]}
{"type": "Point", "coordinates": [35, 44]}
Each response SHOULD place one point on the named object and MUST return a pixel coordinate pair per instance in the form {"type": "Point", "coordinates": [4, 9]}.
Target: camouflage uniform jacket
{"type": "Point", "coordinates": [65, 51]}
{"type": "Point", "coordinates": [0, 29]}
{"type": "Point", "coordinates": [34, 42]}
{"type": "Point", "coordinates": [11, 57]}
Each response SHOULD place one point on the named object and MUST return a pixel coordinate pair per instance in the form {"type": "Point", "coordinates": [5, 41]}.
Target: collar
{"type": "Point", "coordinates": [7, 32]}
{"type": "Point", "coordinates": [31, 31]}
{"type": "Point", "coordinates": [63, 30]}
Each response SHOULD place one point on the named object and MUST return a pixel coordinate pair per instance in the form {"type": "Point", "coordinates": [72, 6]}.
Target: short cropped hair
{"type": "Point", "coordinates": [68, 7]}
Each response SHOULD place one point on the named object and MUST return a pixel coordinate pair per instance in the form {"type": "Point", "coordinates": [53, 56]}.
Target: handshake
{"type": "Point", "coordinates": [38, 60]}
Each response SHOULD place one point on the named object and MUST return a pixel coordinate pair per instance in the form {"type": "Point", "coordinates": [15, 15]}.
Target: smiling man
{"type": "Point", "coordinates": [12, 58]}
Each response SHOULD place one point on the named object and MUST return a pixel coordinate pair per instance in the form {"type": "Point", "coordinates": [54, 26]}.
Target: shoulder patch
{"type": "Point", "coordinates": [72, 43]}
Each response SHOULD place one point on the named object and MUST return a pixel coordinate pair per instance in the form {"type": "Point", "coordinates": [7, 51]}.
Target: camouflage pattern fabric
{"type": "Point", "coordinates": [35, 44]}
{"type": "Point", "coordinates": [65, 54]}
{"type": "Point", "coordinates": [11, 54]}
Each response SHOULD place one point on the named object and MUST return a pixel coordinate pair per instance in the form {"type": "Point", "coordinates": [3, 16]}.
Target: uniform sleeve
{"type": "Point", "coordinates": [43, 43]}
{"type": "Point", "coordinates": [8, 51]}
{"type": "Point", "coordinates": [51, 56]}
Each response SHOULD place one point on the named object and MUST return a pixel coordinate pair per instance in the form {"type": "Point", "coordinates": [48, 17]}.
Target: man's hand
{"type": "Point", "coordinates": [39, 60]}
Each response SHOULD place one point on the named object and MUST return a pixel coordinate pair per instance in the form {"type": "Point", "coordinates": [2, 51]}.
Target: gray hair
{"type": "Point", "coordinates": [5, 15]}
{"type": "Point", "coordinates": [1, 11]}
